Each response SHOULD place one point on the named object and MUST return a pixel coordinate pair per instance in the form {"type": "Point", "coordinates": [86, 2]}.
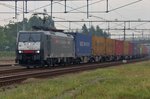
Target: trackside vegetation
{"type": "Point", "coordinates": [130, 81]}
{"type": "Point", "coordinates": [6, 55]}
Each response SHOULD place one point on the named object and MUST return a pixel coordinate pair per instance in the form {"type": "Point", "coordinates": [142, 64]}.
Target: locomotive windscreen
{"type": "Point", "coordinates": [29, 37]}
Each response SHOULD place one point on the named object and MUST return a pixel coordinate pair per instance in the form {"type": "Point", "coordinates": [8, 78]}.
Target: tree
{"type": "Point", "coordinates": [2, 38]}
{"type": "Point", "coordinates": [92, 30]}
{"type": "Point", "coordinates": [107, 35]}
{"type": "Point", "coordinates": [84, 29]}
{"type": "Point", "coordinates": [9, 32]}
{"type": "Point", "coordinates": [99, 32]}
{"type": "Point", "coordinates": [37, 21]}
{"type": "Point", "coordinates": [48, 22]}
{"type": "Point", "coordinates": [34, 21]}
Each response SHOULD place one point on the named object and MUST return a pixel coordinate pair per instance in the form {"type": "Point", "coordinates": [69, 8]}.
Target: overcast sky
{"type": "Point", "coordinates": [139, 10]}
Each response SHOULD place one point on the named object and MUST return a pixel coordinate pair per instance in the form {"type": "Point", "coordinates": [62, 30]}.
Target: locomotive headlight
{"type": "Point", "coordinates": [38, 51]}
{"type": "Point", "coordinates": [20, 51]}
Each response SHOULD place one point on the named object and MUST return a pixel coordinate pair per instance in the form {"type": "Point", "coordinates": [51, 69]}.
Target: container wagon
{"type": "Point", "coordinates": [83, 47]}
{"type": "Point", "coordinates": [130, 50]}
{"type": "Point", "coordinates": [98, 48]}
{"type": "Point", "coordinates": [119, 49]}
{"type": "Point", "coordinates": [126, 50]}
{"type": "Point", "coordinates": [110, 49]}
{"type": "Point", "coordinates": [135, 50]}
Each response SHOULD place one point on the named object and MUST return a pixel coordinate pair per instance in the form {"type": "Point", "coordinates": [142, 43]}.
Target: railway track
{"type": "Point", "coordinates": [11, 71]}
{"type": "Point", "coordinates": [38, 73]}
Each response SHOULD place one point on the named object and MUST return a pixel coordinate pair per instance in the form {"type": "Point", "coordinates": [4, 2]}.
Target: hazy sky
{"type": "Point", "coordinates": [139, 10]}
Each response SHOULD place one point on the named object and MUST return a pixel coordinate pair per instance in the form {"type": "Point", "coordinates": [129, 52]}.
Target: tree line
{"type": "Point", "coordinates": [8, 33]}
{"type": "Point", "coordinates": [95, 31]}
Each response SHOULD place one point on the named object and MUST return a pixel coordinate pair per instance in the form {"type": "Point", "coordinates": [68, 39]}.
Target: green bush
{"type": "Point", "coordinates": [7, 54]}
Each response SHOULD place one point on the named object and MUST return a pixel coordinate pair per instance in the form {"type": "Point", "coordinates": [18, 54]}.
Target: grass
{"type": "Point", "coordinates": [121, 82]}
{"type": "Point", "coordinates": [5, 55]}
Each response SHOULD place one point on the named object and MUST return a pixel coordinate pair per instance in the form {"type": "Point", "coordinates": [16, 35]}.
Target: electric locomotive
{"type": "Point", "coordinates": [44, 47]}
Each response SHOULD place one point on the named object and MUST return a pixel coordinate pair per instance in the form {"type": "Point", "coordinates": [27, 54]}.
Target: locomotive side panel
{"type": "Point", "coordinates": [61, 47]}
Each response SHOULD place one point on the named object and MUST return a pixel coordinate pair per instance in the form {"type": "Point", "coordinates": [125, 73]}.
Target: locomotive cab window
{"type": "Point", "coordinates": [29, 37]}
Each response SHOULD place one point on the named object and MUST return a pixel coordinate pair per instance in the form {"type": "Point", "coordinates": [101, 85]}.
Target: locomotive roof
{"type": "Point", "coordinates": [50, 33]}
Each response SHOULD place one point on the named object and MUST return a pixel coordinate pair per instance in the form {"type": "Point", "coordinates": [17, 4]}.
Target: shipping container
{"type": "Point", "coordinates": [145, 51]}
{"type": "Point", "coordinates": [83, 44]}
{"type": "Point", "coordinates": [110, 47]}
{"type": "Point", "coordinates": [136, 49]}
{"type": "Point", "coordinates": [141, 49]}
{"type": "Point", "coordinates": [130, 49]}
{"type": "Point", "coordinates": [98, 46]}
{"type": "Point", "coordinates": [126, 48]}
{"type": "Point", "coordinates": [119, 48]}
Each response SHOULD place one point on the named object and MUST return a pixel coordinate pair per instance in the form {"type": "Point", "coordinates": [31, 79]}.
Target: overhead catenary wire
{"type": "Point", "coordinates": [10, 6]}
{"type": "Point", "coordinates": [124, 5]}
{"type": "Point", "coordinates": [85, 5]}
{"type": "Point", "coordinates": [68, 6]}
{"type": "Point", "coordinates": [81, 11]}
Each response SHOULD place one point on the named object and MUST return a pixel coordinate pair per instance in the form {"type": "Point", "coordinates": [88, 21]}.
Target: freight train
{"type": "Point", "coordinates": [50, 48]}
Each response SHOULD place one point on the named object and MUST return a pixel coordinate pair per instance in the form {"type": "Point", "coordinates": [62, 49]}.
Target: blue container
{"type": "Point", "coordinates": [83, 44]}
